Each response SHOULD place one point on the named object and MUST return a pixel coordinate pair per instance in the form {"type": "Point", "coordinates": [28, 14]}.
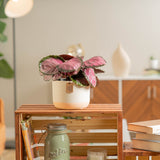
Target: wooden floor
{"type": "Point", "coordinates": [8, 155]}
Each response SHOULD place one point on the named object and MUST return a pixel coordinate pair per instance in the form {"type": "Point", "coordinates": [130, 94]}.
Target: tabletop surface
{"type": "Point", "coordinates": [50, 109]}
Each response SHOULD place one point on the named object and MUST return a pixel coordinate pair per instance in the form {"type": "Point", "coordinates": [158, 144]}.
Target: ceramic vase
{"type": "Point", "coordinates": [67, 95]}
{"type": "Point", "coordinates": [121, 62]}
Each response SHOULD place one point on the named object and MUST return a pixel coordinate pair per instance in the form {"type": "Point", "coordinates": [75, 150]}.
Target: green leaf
{"type": "Point", "coordinates": [2, 26]}
{"type": "Point", "coordinates": [1, 54]}
{"type": "Point", "coordinates": [5, 69]}
{"type": "Point", "coordinates": [1, 2]}
{"type": "Point", "coordinates": [2, 13]}
{"type": "Point", "coordinates": [3, 38]}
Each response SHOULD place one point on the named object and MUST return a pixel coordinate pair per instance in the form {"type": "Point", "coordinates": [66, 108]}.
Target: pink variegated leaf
{"type": "Point", "coordinates": [47, 77]}
{"type": "Point", "coordinates": [48, 64]}
{"type": "Point", "coordinates": [90, 76]}
{"type": "Point", "coordinates": [57, 76]}
{"type": "Point", "coordinates": [96, 61]}
{"type": "Point", "coordinates": [71, 65]}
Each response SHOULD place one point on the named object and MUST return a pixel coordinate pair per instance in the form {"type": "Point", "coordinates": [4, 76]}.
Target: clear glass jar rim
{"type": "Point", "coordinates": [56, 127]}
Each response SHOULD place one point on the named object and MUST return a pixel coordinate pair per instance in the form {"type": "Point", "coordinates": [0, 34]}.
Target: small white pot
{"type": "Point", "coordinates": [66, 95]}
{"type": "Point", "coordinates": [154, 63]}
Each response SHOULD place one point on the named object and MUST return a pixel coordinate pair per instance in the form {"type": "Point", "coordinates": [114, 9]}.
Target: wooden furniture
{"type": "Point", "coordinates": [131, 154]}
{"type": "Point", "coordinates": [95, 116]}
{"type": "Point", "coordinates": [106, 92]}
{"type": "Point", "coordinates": [2, 128]}
{"type": "Point", "coordinates": [141, 100]}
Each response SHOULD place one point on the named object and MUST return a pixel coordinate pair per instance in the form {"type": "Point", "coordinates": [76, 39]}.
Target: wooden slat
{"type": "Point", "coordinates": [84, 158]}
{"type": "Point", "coordinates": [143, 158]}
{"type": "Point", "coordinates": [75, 124]}
{"type": "Point", "coordinates": [130, 158]}
{"type": "Point", "coordinates": [87, 137]}
{"type": "Point", "coordinates": [137, 152]}
{"type": "Point", "coordinates": [93, 137]}
{"type": "Point", "coordinates": [70, 114]}
{"type": "Point", "coordinates": [119, 138]}
{"type": "Point", "coordinates": [51, 110]}
{"type": "Point", "coordinates": [82, 150]}
{"type": "Point", "coordinates": [155, 157]}
{"type": "Point", "coordinates": [18, 136]}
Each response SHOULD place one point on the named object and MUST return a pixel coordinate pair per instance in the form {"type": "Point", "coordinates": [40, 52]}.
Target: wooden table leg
{"type": "Point", "coordinates": [120, 138]}
{"type": "Point", "coordinates": [18, 137]}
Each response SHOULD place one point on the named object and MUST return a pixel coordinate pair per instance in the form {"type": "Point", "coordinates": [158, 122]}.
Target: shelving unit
{"type": "Point", "coordinates": [96, 117]}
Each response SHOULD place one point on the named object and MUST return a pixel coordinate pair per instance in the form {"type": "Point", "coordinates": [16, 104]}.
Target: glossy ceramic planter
{"type": "Point", "coordinates": [76, 98]}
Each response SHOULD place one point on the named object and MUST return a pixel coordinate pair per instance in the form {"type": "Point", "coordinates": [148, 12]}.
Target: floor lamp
{"type": "Point", "coordinates": [15, 9]}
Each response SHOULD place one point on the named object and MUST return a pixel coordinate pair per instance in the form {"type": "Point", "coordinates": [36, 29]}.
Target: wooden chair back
{"type": "Point", "coordinates": [2, 128]}
{"type": "Point", "coordinates": [1, 112]}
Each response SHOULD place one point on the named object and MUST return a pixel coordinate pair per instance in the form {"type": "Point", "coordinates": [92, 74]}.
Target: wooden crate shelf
{"type": "Point", "coordinates": [96, 117]}
{"type": "Point", "coordinates": [133, 154]}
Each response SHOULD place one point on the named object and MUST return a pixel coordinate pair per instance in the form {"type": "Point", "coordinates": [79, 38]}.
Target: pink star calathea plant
{"type": "Point", "coordinates": [66, 67]}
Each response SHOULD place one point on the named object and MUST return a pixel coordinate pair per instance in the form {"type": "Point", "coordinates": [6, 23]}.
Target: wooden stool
{"type": "Point", "coordinates": [131, 154]}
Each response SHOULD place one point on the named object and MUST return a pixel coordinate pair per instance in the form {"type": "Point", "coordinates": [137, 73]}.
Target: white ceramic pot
{"type": "Point", "coordinates": [74, 98]}
{"type": "Point", "coordinates": [154, 63]}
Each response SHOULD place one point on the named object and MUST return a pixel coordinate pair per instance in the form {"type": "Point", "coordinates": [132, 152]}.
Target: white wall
{"type": "Point", "coordinates": [6, 85]}
{"type": "Point", "coordinates": [99, 25]}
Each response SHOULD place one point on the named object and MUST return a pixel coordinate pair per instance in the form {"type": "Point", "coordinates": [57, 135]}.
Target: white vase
{"type": "Point", "coordinates": [76, 98]}
{"type": "Point", "coordinates": [121, 62]}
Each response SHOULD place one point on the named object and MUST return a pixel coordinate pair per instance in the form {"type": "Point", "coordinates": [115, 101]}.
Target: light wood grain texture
{"type": "Point", "coordinates": [137, 100]}
{"type": "Point", "coordinates": [130, 158]}
{"type": "Point", "coordinates": [1, 111]}
{"type": "Point", "coordinates": [155, 157]}
{"type": "Point", "coordinates": [82, 150]}
{"type": "Point", "coordinates": [119, 137]}
{"type": "Point", "coordinates": [87, 137]}
{"type": "Point", "coordinates": [18, 136]}
{"type": "Point", "coordinates": [156, 99]}
{"type": "Point", "coordinates": [105, 92]}
{"type": "Point", "coordinates": [143, 158]}
{"type": "Point", "coordinates": [141, 100]}
{"type": "Point", "coordinates": [103, 116]}
{"type": "Point", "coordinates": [130, 154]}
{"type": "Point", "coordinates": [75, 124]}
{"type": "Point", "coordinates": [128, 151]}
{"type": "Point", "coordinates": [2, 127]}
{"type": "Point", "coordinates": [92, 110]}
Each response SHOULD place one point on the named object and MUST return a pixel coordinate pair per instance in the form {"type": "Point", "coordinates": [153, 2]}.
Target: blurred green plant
{"type": "Point", "coordinates": [5, 69]}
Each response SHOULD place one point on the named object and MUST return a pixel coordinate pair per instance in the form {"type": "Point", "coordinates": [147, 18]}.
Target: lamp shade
{"type": "Point", "coordinates": [18, 8]}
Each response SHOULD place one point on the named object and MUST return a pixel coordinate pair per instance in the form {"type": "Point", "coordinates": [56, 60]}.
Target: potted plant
{"type": "Point", "coordinates": [154, 63]}
{"type": "Point", "coordinates": [5, 69]}
{"type": "Point", "coordinates": [71, 79]}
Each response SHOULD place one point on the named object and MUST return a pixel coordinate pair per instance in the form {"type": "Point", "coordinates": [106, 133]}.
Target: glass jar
{"type": "Point", "coordinates": [57, 143]}
{"type": "Point", "coordinates": [96, 154]}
